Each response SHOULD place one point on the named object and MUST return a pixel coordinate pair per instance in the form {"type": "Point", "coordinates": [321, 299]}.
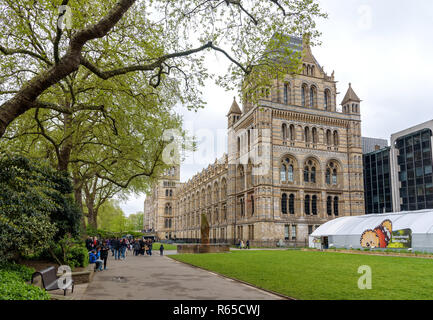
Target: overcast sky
{"type": "Point", "coordinates": [384, 48]}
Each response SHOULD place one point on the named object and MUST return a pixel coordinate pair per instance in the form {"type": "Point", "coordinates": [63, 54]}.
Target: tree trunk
{"type": "Point", "coordinates": [78, 196]}
{"type": "Point", "coordinates": [92, 217]}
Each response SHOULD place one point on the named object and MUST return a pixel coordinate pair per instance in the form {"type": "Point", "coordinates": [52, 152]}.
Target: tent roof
{"type": "Point", "coordinates": [418, 221]}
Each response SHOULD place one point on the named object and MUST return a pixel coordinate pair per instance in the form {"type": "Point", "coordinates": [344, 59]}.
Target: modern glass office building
{"type": "Point", "coordinates": [377, 181]}
{"type": "Point", "coordinates": [411, 168]}
{"type": "Point", "coordinates": [415, 170]}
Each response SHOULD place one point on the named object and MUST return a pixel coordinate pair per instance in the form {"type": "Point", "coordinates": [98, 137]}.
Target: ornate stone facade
{"type": "Point", "coordinates": [294, 162]}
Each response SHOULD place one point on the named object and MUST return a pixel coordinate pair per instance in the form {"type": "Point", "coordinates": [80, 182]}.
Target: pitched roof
{"type": "Point", "coordinates": [350, 96]}
{"type": "Point", "coordinates": [235, 107]}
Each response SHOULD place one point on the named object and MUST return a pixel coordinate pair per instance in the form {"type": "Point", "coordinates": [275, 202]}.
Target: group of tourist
{"type": "Point", "coordinates": [98, 250]}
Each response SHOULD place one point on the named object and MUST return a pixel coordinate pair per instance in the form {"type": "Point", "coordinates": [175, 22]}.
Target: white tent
{"type": "Point", "coordinates": [411, 229]}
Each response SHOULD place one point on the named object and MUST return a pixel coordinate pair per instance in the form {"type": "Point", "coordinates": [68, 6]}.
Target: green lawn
{"type": "Point", "coordinates": [167, 246]}
{"type": "Point", "coordinates": [323, 275]}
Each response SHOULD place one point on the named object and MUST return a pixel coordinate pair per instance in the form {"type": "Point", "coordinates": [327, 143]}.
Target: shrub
{"type": "Point", "coordinates": [22, 271]}
{"type": "Point", "coordinates": [36, 206]}
{"type": "Point", "coordinates": [78, 257]}
{"type": "Point", "coordinates": [13, 286]}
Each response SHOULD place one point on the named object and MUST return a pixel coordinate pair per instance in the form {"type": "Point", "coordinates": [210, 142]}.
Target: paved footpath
{"type": "Point", "coordinates": [161, 278]}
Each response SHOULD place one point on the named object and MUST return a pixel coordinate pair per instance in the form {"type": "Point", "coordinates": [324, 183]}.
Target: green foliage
{"type": "Point", "coordinates": [71, 252]}
{"type": "Point", "coordinates": [22, 271]}
{"type": "Point", "coordinates": [14, 287]}
{"type": "Point", "coordinates": [112, 221]}
{"type": "Point", "coordinates": [35, 206]}
{"type": "Point", "coordinates": [26, 205]}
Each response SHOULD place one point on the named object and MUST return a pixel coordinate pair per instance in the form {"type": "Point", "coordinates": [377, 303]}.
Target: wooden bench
{"type": "Point", "coordinates": [50, 280]}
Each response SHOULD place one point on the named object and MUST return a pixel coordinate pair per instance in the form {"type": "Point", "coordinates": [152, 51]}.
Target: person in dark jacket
{"type": "Point", "coordinates": [89, 243]}
{"type": "Point", "coordinates": [116, 246]}
{"type": "Point", "coordinates": [137, 247]}
{"type": "Point", "coordinates": [123, 247]}
{"type": "Point", "coordinates": [150, 247]}
{"type": "Point", "coordinates": [161, 250]}
{"type": "Point", "coordinates": [104, 254]}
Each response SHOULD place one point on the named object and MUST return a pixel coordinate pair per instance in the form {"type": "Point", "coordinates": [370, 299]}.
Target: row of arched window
{"type": "Point", "coordinates": [289, 133]}
{"type": "Point", "coordinates": [309, 96]}
{"type": "Point", "coordinates": [310, 172]}
{"type": "Point", "coordinates": [310, 204]}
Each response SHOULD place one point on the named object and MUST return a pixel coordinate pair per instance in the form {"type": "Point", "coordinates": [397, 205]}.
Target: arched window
{"type": "Point", "coordinates": [239, 144]}
{"type": "Point", "coordinates": [314, 135]}
{"type": "Point", "coordinates": [306, 174]}
{"type": "Point", "coordinates": [336, 206]}
{"type": "Point", "coordinates": [307, 205]}
{"type": "Point", "coordinates": [290, 173]}
{"type": "Point", "coordinates": [334, 176]}
{"type": "Point", "coordinates": [292, 204]}
{"type": "Point", "coordinates": [328, 176]}
{"type": "Point", "coordinates": [329, 206]}
{"type": "Point", "coordinates": [314, 205]}
{"type": "Point", "coordinates": [252, 205]}
{"type": "Point", "coordinates": [287, 170]}
{"type": "Point", "coordinates": [284, 131]}
{"type": "Point", "coordinates": [168, 209]}
{"type": "Point", "coordinates": [313, 175]}
{"type": "Point", "coordinates": [328, 137]}
{"type": "Point", "coordinates": [312, 96]}
{"type": "Point", "coordinates": [303, 93]}
{"type": "Point", "coordinates": [283, 172]}
{"type": "Point", "coordinates": [327, 95]}
{"type": "Point", "coordinates": [284, 203]}
{"type": "Point", "coordinates": [335, 138]}
{"type": "Point", "coordinates": [307, 134]}
{"type": "Point", "coordinates": [292, 132]}
{"type": "Point", "coordinates": [310, 171]}
{"type": "Point", "coordinates": [331, 173]}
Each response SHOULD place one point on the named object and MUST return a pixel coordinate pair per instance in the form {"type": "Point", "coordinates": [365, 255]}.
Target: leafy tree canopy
{"type": "Point", "coordinates": [163, 41]}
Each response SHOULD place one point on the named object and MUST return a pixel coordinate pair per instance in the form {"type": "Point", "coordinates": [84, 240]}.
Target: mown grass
{"type": "Point", "coordinates": [323, 275]}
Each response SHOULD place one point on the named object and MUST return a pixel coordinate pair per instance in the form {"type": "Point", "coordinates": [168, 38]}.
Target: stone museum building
{"type": "Point", "coordinates": [294, 162]}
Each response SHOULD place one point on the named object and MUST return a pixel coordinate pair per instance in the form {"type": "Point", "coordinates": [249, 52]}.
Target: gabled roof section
{"type": "Point", "coordinates": [234, 108]}
{"type": "Point", "coordinates": [307, 55]}
{"type": "Point", "coordinates": [350, 96]}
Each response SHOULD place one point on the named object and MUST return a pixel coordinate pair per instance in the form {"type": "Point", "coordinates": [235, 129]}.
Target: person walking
{"type": "Point", "coordinates": [248, 244]}
{"type": "Point", "coordinates": [150, 248]}
{"type": "Point", "coordinates": [161, 250]}
{"type": "Point", "coordinates": [104, 254]}
{"type": "Point", "coordinates": [137, 248]}
{"type": "Point", "coordinates": [116, 246]}
{"type": "Point", "coordinates": [123, 246]}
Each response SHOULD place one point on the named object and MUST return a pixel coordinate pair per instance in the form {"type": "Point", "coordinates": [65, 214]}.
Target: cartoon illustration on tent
{"type": "Point", "coordinates": [379, 237]}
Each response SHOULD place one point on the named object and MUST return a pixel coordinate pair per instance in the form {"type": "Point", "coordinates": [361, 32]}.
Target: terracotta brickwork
{"type": "Point", "coordinates": [294, 161]}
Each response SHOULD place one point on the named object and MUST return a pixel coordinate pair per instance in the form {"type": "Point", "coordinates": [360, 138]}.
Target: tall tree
{"type": "Point", "coordinates": [168, 40]}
